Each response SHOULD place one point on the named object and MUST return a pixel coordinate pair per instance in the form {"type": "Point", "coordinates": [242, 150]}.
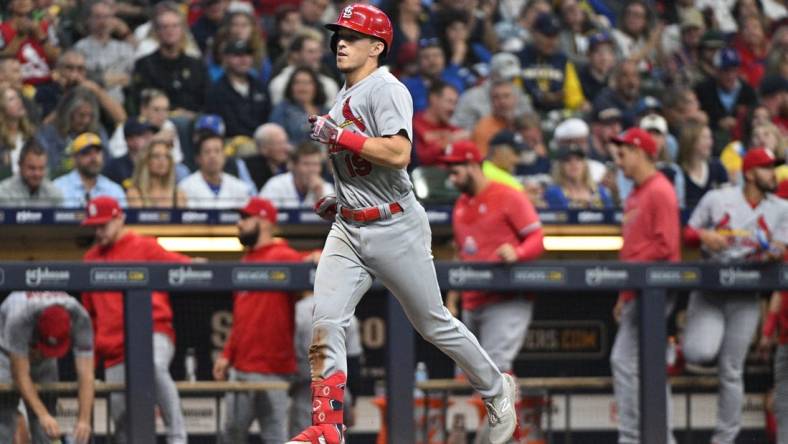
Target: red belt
{"type": "Point", "coordinates": [368, 214]}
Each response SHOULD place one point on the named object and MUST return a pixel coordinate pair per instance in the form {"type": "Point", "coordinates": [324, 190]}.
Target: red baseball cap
{"type": "Point", "coordinates": [640, 138]}
{"type": "Point", "coordinates": [259, 207]}
{"type": "Point", "coordinates": [54, 331]}
{"type": "Point", "coordinates": [101, 210]}
{"type": "Point", "coordinates": [461, 151]}
{"type": "Point", "coordinates": [782, 189]}
{"type": "Point", "coordinates": [757, 157]}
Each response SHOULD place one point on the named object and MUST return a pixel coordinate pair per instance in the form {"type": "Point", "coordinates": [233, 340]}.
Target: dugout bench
{"type": "Point", "coordinates": [566, 386]}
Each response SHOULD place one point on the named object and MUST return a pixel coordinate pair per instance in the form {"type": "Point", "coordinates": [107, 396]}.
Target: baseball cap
{"type": "Point", "coordinates": [757, 157]}
{"type": "Point", "coordinates": [713, 39]}
{"type": "Point", "coordinates": [546, 23]}
{"type": "Point", "coordinates": [85, 141]}
{"type": "Point", "coordinates": [572, 128]}
{"type": "Point", "coordinates": [692, 18]}
{"type": "Point", "coordinates": [610, 114]}
{"type": "Point", "coordinates": [212, 123]}
{"type": "Point", "coordinates": [773, 84]}
{"type": "Point", "coordinates": [727, 58]}
{"type": "Point", "coordinates": [101, 210]}
{"type": "Point", "coordinates": [238, 47]}
{"type": "Point", "coordinates": [259, 207]}
{"type": "Point", "coordinates": [566, 151]}
{"type": "Point", "coordinates": [639, 138]}
{"type": "Point", "coordinates": [505, 65]}
{"type": "Point", "coordinates": [654, 122]}
{"type": "Point", "coordinates": [782, 189]}
{"type": "Point", "coordinates": [648, 105]}
{"type": "Point", "coordinates": [598, 39]}
{"type": "Point", "coordinates": [134, 126]}
{"type": "Point", "coordinates": [54, 331]}
{"type": "Point", "coordinates": [461, 151]}
{"type": "Point", "coordinates": [506, 137]}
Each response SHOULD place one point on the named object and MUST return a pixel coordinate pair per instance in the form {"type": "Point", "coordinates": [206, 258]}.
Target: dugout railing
{"type": "Point", "coordinates": [653, 281]}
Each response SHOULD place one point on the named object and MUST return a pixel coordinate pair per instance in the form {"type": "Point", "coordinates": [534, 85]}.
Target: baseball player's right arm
{"type": "Point", "coordinates": [20, 371]}
{"type": "Point", "coordinates": [697, 232]}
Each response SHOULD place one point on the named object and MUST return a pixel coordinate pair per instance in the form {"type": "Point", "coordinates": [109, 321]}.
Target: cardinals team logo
{"type": "Point", "coordinates": [348, 12]}
{"type": "Point", "coordinates": [350, 119]}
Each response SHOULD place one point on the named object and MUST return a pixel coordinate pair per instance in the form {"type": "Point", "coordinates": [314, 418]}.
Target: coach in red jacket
{"type": "Point", "coordinates": [260, 346]}
{"type": "Point", "coordinates": [115, 243]}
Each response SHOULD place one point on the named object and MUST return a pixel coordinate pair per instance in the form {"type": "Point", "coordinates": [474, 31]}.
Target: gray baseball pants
{"type": "Point", "coordinates": [722, 327]}
{"type": "Point", "coordinates": [397, 251]}
{"type": "Point", "coordinates": [166, 393]}
{"type": "Point", "coordinates": [624, 363]}
{"type": "Point", "coordinates": [501, 328]}
{"type": "Point", "coordinates": [40, 371]}
{"type": "Point", "coordinates": [781, 392]}
{"type": "Point", "coordinates": [268, 407]}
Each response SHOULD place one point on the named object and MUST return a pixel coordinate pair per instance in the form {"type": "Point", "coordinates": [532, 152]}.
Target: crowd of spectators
{"type": "Point", "coordinates": [200, 103]}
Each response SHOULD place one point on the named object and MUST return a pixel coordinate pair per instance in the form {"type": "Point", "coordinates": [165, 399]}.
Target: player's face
{"type": "Point", "coordinates": [764, 178]}
{"type": "Point", "coordinates": [108, 233]}
{"type": "Point", "coordinates": [460, 177]}
{"type": "Point", "coordinates": [354, 49]}
{"type": "Point", "coordinates": [248, 230]}
{"type": "Point", "coordinates": [628, 160]}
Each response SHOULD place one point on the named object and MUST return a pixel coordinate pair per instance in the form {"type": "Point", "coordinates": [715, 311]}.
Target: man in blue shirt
{"type": "Point", "coordinates": [85, 182]}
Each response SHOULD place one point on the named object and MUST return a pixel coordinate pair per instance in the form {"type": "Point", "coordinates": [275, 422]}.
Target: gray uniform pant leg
{"type": "Point", "coordinates": [300, 407]}
{"type": "Point", "coordinates": [268, 407]}
{"type": "Point", "coordinates": [781, 392]}
{"type": "Point", "coordinates": [722, 327]}
{"type": "Point", "coordinates": [397, 251]}
{"type": "Point", "coordinates": [167, 397]}
{"type": "Point", "coordinates": [501, 328]}
{"type": "Point", "coordinates": [41, 371]}
{"type": "Point", "coordinates": [624, 363]}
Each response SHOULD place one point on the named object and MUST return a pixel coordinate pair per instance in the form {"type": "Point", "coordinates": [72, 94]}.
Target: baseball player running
{"type": "Point", "coordinates": [37, 328]}
{"type": "Point", "coordinates": [379, 231]}
{"type": "Point", "coordinates": [732, 224]}
{"type": "Point", "coordinates": [651, 233]}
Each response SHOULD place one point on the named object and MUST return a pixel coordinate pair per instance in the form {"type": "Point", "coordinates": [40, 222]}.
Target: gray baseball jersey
{"type": "Point", "coordinates": [20, 311]}
{"type": "Point", "coordinates": [727, 211]}
{"type": "Point", "coordinates": [377, 106]}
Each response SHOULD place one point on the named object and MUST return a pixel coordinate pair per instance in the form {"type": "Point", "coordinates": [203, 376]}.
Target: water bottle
{"type": "Point", "coordinates": [421, 375]}
{"type": "Point", "coordinates": [190, 364]}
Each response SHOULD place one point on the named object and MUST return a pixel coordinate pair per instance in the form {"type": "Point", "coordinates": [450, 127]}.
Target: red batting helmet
{"type": "Point", "coordinates": [365, 19]}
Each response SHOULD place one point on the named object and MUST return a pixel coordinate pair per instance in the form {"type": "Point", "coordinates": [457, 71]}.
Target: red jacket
{"type": "Point", "coordinates": [106, 307]}
{"type": "Point", "coordinates": [261, 338]}
{"type": "Point", "coordinates": [651, 224]}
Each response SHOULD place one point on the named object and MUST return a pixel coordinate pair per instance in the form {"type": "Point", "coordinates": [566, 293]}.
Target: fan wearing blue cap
{"type": "Point", "coordinates": [548, 75]}
{"type": "Point", "coordinates": [726, 96]}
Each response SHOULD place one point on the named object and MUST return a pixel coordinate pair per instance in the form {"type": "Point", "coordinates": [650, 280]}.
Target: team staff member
{"type": "Point", "coordinates": [115, 243]}
{"type": "Point", "coordinates": [492, 223]}
{"type": "Point", "coordinates": [380, 230]}
{"type": "Point", "coordinates": [651, 233]}
{"type": "Point", "coordinates": [733, 224]}
{"type": "Point", "coordinates": [260, 345]}
{"type": "Point", "coordinates": [777, 316]}
{"type": "Point", "coordinates": [36, 329]}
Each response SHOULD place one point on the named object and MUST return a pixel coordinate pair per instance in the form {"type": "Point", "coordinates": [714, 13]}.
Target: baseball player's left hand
{"type": "Point", "coordinates": [82, 432]}
{"type": "Point", "coordinates": [326, 207]}
{"type": "Point", "coordinates": [507, 253]}
{"type": "Point", "coordinates": [324, 130]}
